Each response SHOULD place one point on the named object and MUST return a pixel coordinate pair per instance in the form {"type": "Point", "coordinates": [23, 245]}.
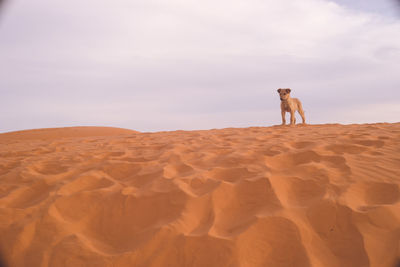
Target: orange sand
{"type": "Point", "coordinates": [322, 195]}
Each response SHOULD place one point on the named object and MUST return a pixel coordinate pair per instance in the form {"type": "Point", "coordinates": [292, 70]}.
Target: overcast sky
{"type": "Point", "coordinates": [183, 64]}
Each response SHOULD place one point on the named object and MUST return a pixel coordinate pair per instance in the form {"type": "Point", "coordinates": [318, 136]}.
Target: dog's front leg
{"type": "Point", "coordinates": [283, 113]}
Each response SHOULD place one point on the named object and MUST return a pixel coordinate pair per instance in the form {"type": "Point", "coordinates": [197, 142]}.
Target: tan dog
{"type": "Point", "coordinates": [289, 104]}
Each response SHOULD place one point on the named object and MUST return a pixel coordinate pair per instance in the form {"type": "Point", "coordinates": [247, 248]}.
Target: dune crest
{"type": "Point", "coordinates": [316, 195]}
{"type": "Point", "coordinates": [67, 132]}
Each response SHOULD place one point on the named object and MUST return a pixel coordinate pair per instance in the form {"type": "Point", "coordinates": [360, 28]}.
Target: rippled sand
{"type": "Point", "coordinates": [319, 195]}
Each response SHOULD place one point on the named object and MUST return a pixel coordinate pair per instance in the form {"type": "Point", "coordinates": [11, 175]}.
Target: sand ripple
{"type": "Point", "coordinates": [323, 195]}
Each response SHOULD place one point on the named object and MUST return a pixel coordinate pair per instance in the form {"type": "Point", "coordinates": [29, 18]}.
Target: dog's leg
{"type": "Point", "coordinates": [292, 118]}
{"type": "Point", "coordinates": [301, 112]}
{"type": "Point", "coordinates": [283, 113]}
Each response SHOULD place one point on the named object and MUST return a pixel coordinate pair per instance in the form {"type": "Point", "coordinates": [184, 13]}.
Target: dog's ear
{"type": "Point", "coordinates": [279, 90]}
{"type": "Point", "coordinates": [288, 90]}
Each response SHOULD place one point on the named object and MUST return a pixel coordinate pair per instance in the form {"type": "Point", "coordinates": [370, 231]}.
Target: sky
{"type": "Point", "coordinates": [160, 65]}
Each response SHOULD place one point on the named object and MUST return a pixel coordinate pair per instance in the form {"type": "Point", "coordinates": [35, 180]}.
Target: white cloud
{"type": "Point", "coordinates": [186, 58]}
{"type": "Point", "coordinates": [363, 113]}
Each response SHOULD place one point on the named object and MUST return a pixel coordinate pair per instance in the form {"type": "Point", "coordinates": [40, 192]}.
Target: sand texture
{"type": "Point", "coordinates": [318, 195]}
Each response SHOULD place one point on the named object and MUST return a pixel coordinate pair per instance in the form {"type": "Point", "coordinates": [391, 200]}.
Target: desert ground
{"type": "Point", "coordinates": [314, 195]}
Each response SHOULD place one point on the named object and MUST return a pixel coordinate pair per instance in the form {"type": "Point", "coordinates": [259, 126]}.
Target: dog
{"type": "Point", "coordinates": [291, 105]}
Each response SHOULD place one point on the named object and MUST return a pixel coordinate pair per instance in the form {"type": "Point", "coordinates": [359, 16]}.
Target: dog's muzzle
{"type": "Point", "coordinates": [281, 99]}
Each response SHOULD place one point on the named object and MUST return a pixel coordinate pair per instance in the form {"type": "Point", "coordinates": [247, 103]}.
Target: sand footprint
{"type": "Point", "coordinates": [373, 143]}
{"type": "Point", "coordinates": [177, 169]}
{"type": "Point", "coordinates": [294, 191]}
{"type": "Point", "coordinates": [121, 170]}
{"type": "Point", "coordinates": [231, 175]}
{"type": "Point", "coordinates": [335, 227]}
{"type": "Point", "coordinates": [72, 251]}
{"type": "Point", "coordinates": [9, 166]}
{"type": "Point", "coordinates": [86, 181]}
{"type": "Point", "coordinates": [121, 222]}
{"type": "Point", "coordinates": [116, 154]}
{"type": "Point", "coordinates": [381, 193]}
{"type": "Point", "coordinates": [49, 167]}
{"type": "Point", "coordinates": [345, 148]}
{"type": "Point", "coordinates": [302, 144]}
{"type": "Point", "coordinates": [301, 158]}
{"type": "Point", "coordinates": [30, 196]}
{"type": "Point", "coordinates": [293, 159]}
{"type": "Point", "coordinates": [237, 206]}
{"type": "Point", "coordinates": [195, 186]}
{"type": "Point", "coordinates": [269, 241]}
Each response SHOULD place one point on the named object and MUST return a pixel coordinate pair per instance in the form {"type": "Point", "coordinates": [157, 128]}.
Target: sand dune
{"type": "Point", "coordinates": [318, 195]}
{"type": "Point", "coordinates": [59, 133]}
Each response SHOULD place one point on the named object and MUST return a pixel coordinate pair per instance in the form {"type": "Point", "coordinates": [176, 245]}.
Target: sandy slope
{"type": "Point", "coordinates": [323, 195]}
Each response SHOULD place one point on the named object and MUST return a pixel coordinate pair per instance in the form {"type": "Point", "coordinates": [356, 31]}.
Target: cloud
{"type": "Point", "coordinates": [158, 64]}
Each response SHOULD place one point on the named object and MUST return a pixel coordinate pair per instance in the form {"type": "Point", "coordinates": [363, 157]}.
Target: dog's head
{"type": "Point", "coordinates": [284, 93]}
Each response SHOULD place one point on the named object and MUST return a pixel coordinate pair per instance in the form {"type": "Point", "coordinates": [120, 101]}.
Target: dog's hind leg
{"type": "Point", "coordinates": [292, 118]}
{"type": "Point", "coordinates": [301, 112]}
